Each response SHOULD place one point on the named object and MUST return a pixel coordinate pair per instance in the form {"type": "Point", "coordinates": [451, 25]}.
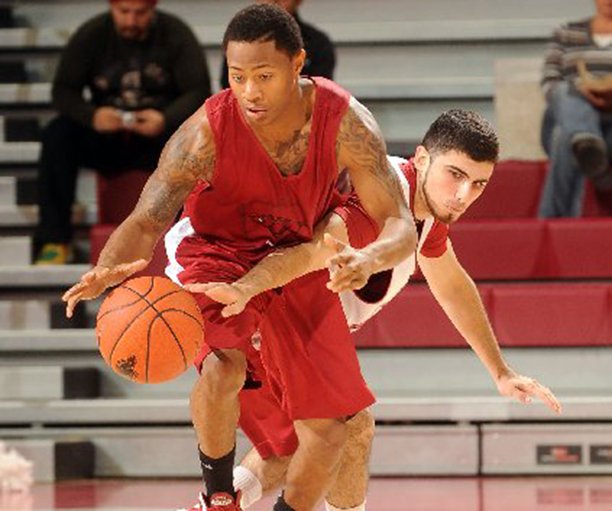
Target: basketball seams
{"type": "Point", "coordinates": [121, 307]}
{"type": "Point", "coordinates": [157, 312]}
{"type": "Point", "coordinates": [174, 336]}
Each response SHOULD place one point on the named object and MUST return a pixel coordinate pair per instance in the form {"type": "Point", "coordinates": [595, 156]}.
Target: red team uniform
{"type": "Point", "coordinates": [264, 416]}
{"type": "Point", "coordinates": [247, 210]}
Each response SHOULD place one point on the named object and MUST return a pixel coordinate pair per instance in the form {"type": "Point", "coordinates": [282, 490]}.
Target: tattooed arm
{"type": "Point", "coordinates": [361, 149]}
{"type": "Point", "coordinates": [188, 157]}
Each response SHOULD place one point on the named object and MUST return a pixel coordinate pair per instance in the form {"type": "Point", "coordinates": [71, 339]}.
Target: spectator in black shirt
{"type": "Point", "coordinates": [145, 73]}
{"type": "Point", "coordinates": [320, 51]}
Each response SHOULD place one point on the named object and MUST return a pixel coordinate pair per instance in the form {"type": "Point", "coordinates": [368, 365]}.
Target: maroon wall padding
{"type": "Point", "coordinates": [532, 314]}
{"type": "Point", "coordinates": [118, 194]}
{"type": "Point", "coordinates": [552, 314]}
{"type": "Point", "coordinates": [513, 192]}
{"type": "Point", "coordinates": [500, 249]}
{"type": "Point", "coordinates": [99, 234]}
{"type": "Point", "coordinates": [579, 248]}
{"type": "Point", "coordinates": [413, 319]}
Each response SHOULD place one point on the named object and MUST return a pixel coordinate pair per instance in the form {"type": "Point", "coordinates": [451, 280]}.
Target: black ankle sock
{"type": "Point", "coordinates": [218, 473]}
{"type": "Point", "coordinates": [281, 505]}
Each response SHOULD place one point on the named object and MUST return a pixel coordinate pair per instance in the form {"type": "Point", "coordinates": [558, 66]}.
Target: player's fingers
{"type": "Point", "coordinates": [233, 309]}
{"type": "Point", "coordinates": [71, 304]}
{"type": "Point", "coordinates": [333, 243]}
{"type": "Point", "coordinates": [547, 397]}
{"type": "Point", "coordinates": [77, 288]}
{"type": "Point", "coordinates": [222, 294]}
{"type": "Point", "coordinates": [197, 287]}
{"type": "Point", "coordinates": [351, 285]}
{"type": "Point", "coordinates": [340, 282]}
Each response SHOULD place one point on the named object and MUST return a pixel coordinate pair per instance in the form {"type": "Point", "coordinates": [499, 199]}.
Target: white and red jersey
{"type": "Point", "coordinates": [361, 305]}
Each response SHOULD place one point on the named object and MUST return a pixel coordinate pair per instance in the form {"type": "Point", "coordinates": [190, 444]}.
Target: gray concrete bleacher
{"type": "Point", "coordinates": [414, 56]}
{"type": "Point", "coordinates": [407, 61]}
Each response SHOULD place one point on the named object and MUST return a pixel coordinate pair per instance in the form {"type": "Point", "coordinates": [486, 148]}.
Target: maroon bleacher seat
{"type": "Point", "coordinates": [500, 249]}
{"type": "Point", "coordinates": [513, 192]}
{"type": "Point", "coordinates": [579, 248]}
{"type": "Point", "coordinates": [117, 195]}
{"type": "Point", "coordinates": [554, 314]}
{"type": "Point", "coordinates": [414, 320]}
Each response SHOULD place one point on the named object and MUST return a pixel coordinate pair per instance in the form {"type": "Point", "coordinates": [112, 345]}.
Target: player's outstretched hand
{"type": "Point", "coordinates": [230, 295]}
{"type": "Point", "coordinates": [525, 389]}
{"type": "Point", "coordinates": [95, 281]}
{"type": "Point", "coordinates": [349, 269]}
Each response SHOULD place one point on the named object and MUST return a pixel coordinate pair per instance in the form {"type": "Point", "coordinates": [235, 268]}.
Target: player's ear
{"type": "Point", "coordinates": [422, 158]}
{"type": "Point", "coordinates": [298, 62]}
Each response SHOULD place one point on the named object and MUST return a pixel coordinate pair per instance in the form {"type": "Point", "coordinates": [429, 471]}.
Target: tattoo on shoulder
{"type": "Point", "coordinates": [360, 138]}
{"type": "Point", "coordinates": [188, 157]}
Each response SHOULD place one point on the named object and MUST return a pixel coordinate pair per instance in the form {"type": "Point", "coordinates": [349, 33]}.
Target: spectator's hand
{"type": "Point", "coordinates": [148, 123]}
{"type": "Point", "coordinates": [99, 278]}
{"type": "Point", "coordinates": [349, 269]}
{"type": "Point", "coordinates": [107, 119]}
{"type": "Point", "coordinates": [230, 295]}
{"type": "Point", "coordinates": [522, 388]}
{"type": "Point", "coordinates": [604, 97]}
{"type": "Point", "coordinates": [592, 97]}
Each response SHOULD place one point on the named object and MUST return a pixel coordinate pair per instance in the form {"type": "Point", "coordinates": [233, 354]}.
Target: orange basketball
{"type": "Point", "coordinates": [149, 329]}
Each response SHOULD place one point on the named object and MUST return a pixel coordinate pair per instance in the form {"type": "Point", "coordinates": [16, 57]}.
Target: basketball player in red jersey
{"type": "Point", "coordinates": [256, 169]}
{"type": "Point", "coordinates": [448, 173]}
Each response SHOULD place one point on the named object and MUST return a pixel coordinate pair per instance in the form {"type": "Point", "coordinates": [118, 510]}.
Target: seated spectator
{"type": "Point", "coordinates": [145, 73]}
{"type": "Point", "coordinates": [577, 127]}
{"type": "Point", "coordinates": [320, 51]}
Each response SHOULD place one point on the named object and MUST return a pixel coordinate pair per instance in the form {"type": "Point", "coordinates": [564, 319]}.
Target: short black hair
{"type": "Point", "coordinates": [464, 131]}
{"type": "Point", "coordinates": [263, 23]}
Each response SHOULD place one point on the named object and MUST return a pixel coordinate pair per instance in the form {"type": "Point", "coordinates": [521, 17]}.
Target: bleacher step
{"type": "Point", "coordinates": [41, 342]}
{"type": "Point", "coordinates": [396, 409]}
{"type": "Point", "coordinates": [41, 276]}
{"type": "Point", "coordinates": [48, 382]}
{"type": "Point", "coordinates": [8, 189]}
{"type": "Point", "coordinates": [491, 449]}
{"type": "Point", "coordinates": [16, 249]}
{"type": "Point", "coordinates": [12, 215]}
{"type": "Point", "coordinates": [57, 460]}
{"type": "Point", "coordinates": [549, 449]}
{"type": "Point", "coordinates": [19, 152]}
{"type": "Point", "coordinates": [24, 314]}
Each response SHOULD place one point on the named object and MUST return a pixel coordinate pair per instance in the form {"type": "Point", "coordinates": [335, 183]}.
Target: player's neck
{"type": "Point", "coordinates": [421, 211]}
{"type": "Point", "coordinates": [295, 116]}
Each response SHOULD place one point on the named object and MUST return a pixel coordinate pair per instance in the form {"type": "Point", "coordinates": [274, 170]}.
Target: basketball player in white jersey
{"type": "Point", "coordinates": [449, 171]}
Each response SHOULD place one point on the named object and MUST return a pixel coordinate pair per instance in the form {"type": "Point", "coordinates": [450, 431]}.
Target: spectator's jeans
{"type": "Point", "coordinates": [568, 114]}
{"type": "Point", "coordinates": [67, 146]}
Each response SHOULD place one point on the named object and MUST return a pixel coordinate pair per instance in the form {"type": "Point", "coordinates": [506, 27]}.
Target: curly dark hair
{"type": "Point", "coordinates": [265, 22]}
{"type": "Point", "coordinates": [464, 131]}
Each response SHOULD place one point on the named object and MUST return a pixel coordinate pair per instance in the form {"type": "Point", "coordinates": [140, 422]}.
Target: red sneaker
{"type": "Point", "coordinates": [217, 502]}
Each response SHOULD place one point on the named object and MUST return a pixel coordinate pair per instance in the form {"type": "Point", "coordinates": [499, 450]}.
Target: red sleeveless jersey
{"type": "Point", "coordinates": [249, 206]}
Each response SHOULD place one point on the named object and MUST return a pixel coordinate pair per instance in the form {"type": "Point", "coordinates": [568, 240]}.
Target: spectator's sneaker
{"type": "Point", "coordinates": [54, 254]}
{"type": "Point", "coordinates": [591, 154]}
{"type": "Point", "coordinates": [217, 502]}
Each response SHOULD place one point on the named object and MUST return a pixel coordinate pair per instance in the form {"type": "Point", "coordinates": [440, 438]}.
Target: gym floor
{"type": "Point", "coordinates": [393, 494]}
